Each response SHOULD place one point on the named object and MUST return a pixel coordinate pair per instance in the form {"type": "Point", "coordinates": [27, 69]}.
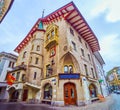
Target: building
{"type": "Point", "coordinates": [55, 63]}
{"type": "Point", "coordinates": [99, 63]}
{"type": "Point", "coordinates": [113, 78]}
{"type": "Point", "coordinates": [5, 6]}
{"type": "Point", "coordinates": [7, 61]}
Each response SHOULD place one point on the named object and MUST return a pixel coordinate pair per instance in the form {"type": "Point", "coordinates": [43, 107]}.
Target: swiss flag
{"type": "Point", "coordinates": [10, 79]}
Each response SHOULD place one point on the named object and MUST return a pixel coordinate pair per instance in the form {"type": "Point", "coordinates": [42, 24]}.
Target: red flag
{"type": "Point", "coordinates": [10, 79]}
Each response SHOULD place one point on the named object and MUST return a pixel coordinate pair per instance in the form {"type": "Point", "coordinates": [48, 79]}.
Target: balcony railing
{"type": "Point", "coordinates": [20, 67]}
{"type": "Point", "coordinates": [50, 41]}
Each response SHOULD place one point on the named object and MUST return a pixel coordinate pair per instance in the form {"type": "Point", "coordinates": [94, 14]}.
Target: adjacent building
{"type": "Point", "coordinates": [5, 6]}
{"type": "Point", "coordinates": [56, 62]}
{"type": "Point", "coordinates": [99, 63]}
{"type": "Point", "coordinates": [7, 61]}
{"type": "Point", "coordinates": [113, 78]}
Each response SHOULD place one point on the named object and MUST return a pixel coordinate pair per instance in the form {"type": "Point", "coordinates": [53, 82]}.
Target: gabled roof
{"type": "Point", "coordinates": [72, 15]}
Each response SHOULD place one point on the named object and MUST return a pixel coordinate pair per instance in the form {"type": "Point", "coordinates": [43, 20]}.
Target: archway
{"type": "Point", "coordinates": [70, 95]}
{"type": "Point", "coordinates": [14, 94]}
{"type": "Point", "coordinates": [93, 90]}
{"type": "Point", "coordinates": [48, 91]}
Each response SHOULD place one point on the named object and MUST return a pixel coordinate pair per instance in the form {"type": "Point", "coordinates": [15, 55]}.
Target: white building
{"type": "Point", "coordinates": [7, 61]}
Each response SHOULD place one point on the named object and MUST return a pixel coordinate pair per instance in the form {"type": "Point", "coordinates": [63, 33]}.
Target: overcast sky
{"type": "Point", "coordinates": [102, 16]}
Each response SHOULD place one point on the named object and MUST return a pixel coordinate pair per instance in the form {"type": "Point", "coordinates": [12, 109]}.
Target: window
{"type": "Point", "coordinates": [23, 77]}
{"type": "Point", "coordinates": [10, 64]}
{"type": "Point", "coordinates": [36, 61]}
{"type": "Point", "coordinates": [80, 39]}
{"type": "Point", "coordinates": [35, 74]}
{"type": "Point", "coordinates": [68, 69]}
{"type": "Point", "coordinates": [38, 48]}
{"type": "Point", "coordinates": [24, 54]}
{"type": "Point", "coordinates": [82, 51]}
{"type": "Point", "coordinates": [13, 64]}
{"type": "Point", "coordinates": [32, 47]}
{"type": "Point", "coordinates": [49, 70]}
{"type": "Point", "coordinates": [86, 45]}
{"type": "Point", "coordinates": [52, 33]}
{"type": "Point", "coordinates": [30, 59]}
{"type": "Point", "coordinates": [89, 57]}
{"type": "Point", "coordinates": [48, 36]}
{"type": "Point", "coordinates": [71, 69]}
{"type": "Point", "coordinates": [0, 90]}
{"type": "Point", "coordinates": [74, 45]}
{"type": "Point", "coordinates": [92, 72]}
{"type": "Point", "coordinates": [86, 71]}
{"type": "Point", "coordinates": [17, 76]}
{"type": "Point", "coordinates": [52, 51]}
{"type": "Point", "coordinates": [65, 69]}
{"type": "Point", "coordinates": [71, 31]}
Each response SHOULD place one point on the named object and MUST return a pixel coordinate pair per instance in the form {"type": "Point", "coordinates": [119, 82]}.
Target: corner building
{"type": "Point", "coordinates": [57, 55]}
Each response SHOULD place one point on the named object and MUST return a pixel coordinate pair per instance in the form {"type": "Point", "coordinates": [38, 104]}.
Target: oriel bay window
{"type": "Point", "coordinates": [68, 69]}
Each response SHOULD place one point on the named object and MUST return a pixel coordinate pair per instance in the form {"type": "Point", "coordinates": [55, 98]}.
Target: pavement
{"type": "Point", "coordinates": [106, 105]}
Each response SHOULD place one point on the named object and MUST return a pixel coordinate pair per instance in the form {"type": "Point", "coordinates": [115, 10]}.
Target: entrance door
{"type": "Point", "coordinates": [70, 95]}
{"type": "Point", "coordinates": [25, 94]}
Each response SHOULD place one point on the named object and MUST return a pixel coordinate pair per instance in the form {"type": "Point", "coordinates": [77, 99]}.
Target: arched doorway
{"type": "Point", "coordinates": [93, 91]}
{"type": "Point", "coordinates": [48, 92]}
{"type": "Point", "coordinates": [70, 95]}
{"type": "Point", "coordinates": [14, 94]}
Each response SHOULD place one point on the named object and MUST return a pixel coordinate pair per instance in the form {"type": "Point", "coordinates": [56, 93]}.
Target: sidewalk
{"type": "Point", "coordinates": [94, 106]}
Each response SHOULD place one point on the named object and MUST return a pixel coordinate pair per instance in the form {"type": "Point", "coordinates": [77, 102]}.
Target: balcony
{"type": "Point", "coordinates": [20, 67]}
{"type": "Point", "coordinates": [53, 40]}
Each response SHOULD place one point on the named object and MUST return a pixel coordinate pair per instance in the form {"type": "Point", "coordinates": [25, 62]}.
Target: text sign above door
{"type": "Point", "coordinates": [69, 76]}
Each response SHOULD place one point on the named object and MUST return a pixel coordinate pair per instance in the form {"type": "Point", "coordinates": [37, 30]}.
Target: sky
{"type": "Point", "coordinates": [101, 15]}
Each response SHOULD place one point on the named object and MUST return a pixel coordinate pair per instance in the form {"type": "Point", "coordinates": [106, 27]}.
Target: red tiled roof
{"type": "Point", "coordinates": [72, 15]}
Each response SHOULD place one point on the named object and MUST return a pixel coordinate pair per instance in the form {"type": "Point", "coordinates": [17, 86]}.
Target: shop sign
{"type": "Point", "coordinates": [69, 76]}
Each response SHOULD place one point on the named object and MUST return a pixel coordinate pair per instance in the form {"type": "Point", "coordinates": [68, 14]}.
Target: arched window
{"type": "Point", "coordinates": [38, 48]}
{"type": "Point", "coordinates": [48, 92]}
{"type": "Point", "coordinates": [92, 90]}
{"type": "Point", "coordinates": [24, 54]}
{"type": "Point", "coordinates": [70, 69]}
{"type": "Point", "coordinates": [65, 69]}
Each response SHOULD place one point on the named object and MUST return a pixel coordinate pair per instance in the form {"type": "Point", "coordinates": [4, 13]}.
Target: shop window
{"type": "Point", "coordinates": [38, 48]}
{"type": "Point", "coordinates": [49, 70]}
{"type": "Point", "coordinates": [52, 51]}
{"type": "Point", "coordinates": [92, 90]}
{"type": "Point", "coordinates": [48, 92]}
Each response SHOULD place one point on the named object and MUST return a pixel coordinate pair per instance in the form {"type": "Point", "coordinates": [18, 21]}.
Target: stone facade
{"type": "Point", "coordinates": [58, 62]}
